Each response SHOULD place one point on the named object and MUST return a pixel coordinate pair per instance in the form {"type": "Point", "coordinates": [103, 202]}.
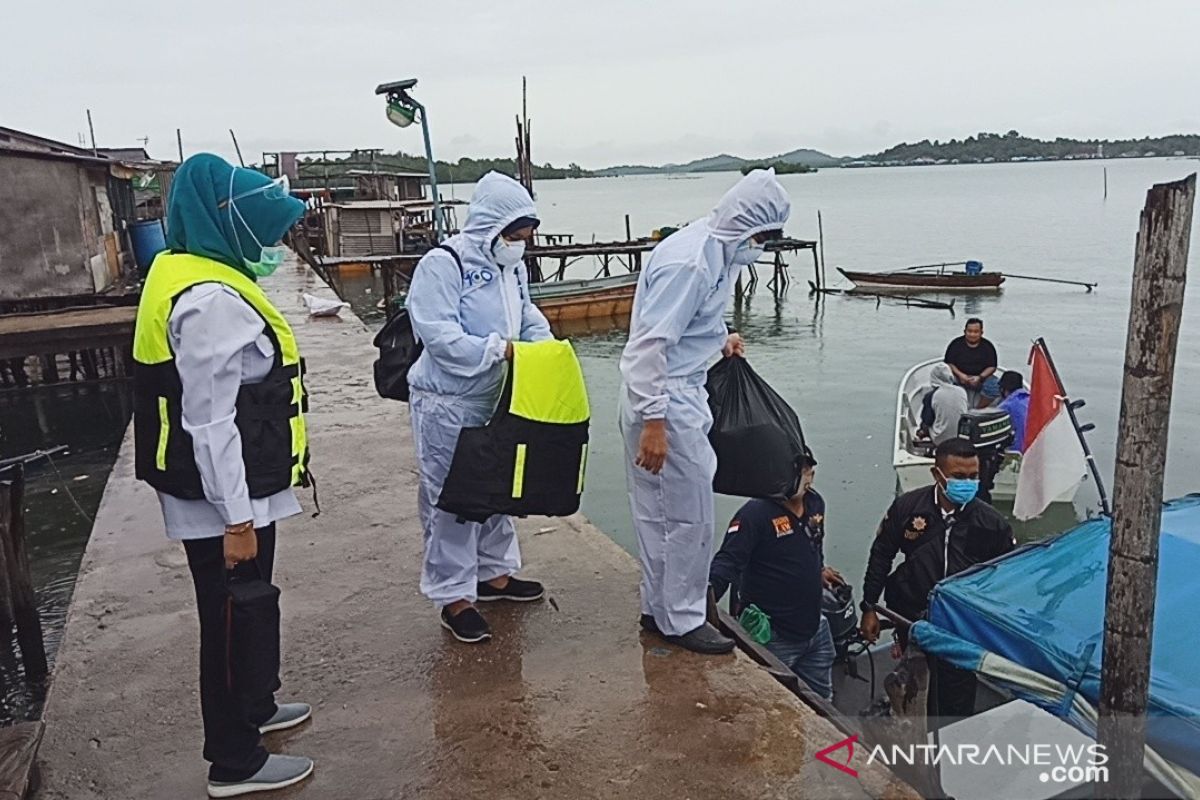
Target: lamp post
{"type": "Point", "coordinates": [402, 109]}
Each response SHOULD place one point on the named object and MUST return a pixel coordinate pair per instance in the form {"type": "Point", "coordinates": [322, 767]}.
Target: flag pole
{"type": "Point", "coordinates": [1080, 430]}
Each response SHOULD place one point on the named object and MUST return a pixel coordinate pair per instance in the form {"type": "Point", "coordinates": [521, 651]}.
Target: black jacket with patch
{"type": "Point", "coordinates": [915, 526]}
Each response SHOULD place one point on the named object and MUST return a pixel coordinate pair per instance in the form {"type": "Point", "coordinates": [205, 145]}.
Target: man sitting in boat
{"type": "Point", "coordinates": [1015, 400]}
{"type": "Point", "coordinates": [942, 530]}
{"type": "Point", "coordinates": [942, 406]}
{"type": "Point", "coordinates": [774, 558]}
{"type": "Point", "coordinates": [972, 358]}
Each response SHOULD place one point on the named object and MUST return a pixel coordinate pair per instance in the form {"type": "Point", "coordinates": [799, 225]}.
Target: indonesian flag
{"type": "Point", "coordinates": [1053, 464]}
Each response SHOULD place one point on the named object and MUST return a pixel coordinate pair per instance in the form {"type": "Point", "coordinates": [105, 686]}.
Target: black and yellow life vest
{"type": "Point", "coordinates": [531, 456]}
{"type": "Point", "coordinates": [270, 414]}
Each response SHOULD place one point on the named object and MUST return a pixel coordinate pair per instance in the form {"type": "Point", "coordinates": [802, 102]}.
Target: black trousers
{"type": "Point", "coordinates": [232, 744]}
{"type": "Point", "coordinates": [951, 690]}
{"type": "Point", "coordinates": [953, 694]}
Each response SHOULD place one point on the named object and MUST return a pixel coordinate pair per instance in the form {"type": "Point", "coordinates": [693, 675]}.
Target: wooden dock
{"type": "Point", "coordinates": [570, 699]}
{"type": "Point", "coordinates": [90, 343]}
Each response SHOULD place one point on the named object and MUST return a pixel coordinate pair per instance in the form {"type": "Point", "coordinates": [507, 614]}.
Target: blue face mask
{"type": "Point", "coordinates": [961, 491]}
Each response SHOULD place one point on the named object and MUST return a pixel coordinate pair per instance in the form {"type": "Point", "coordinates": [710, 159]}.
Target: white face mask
{"type": "Point", "coordinates": [506, 253]}
{"type": "Point", "coordinates": [748, 252]}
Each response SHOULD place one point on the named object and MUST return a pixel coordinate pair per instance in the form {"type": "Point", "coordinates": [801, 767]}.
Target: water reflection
{"type": "Point", "coordinates": [61, 496]}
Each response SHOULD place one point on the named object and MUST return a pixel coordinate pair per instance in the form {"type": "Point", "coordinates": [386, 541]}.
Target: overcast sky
{"type": "Point", "coordinates": [610, 81]}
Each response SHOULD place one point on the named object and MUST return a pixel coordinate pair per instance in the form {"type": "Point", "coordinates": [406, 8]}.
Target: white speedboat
{"type": "Point", "coordinates": [913, 459]}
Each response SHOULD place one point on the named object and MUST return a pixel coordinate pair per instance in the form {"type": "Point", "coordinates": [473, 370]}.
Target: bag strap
{"type": "Point", "coordinates": [454, 254]}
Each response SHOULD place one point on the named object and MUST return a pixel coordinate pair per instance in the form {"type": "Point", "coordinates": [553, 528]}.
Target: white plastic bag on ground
{"type": "Point", "coordinates": [323, 307]}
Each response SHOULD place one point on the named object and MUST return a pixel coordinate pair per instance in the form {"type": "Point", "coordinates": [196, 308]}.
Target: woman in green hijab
{"type": "Point", "coordinates": [219, 433]}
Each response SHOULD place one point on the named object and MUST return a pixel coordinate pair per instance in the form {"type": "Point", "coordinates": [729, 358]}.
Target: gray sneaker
{"type": "Point", "coordinates": [278, 772]}
{"type": "Point", "coordinates": [288, 715]}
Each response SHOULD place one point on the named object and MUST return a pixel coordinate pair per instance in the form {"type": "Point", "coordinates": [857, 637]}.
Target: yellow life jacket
{"type": "Point", "coordinates": [270, 414]}
{"type": "Point", "coordinates": [531, 456]}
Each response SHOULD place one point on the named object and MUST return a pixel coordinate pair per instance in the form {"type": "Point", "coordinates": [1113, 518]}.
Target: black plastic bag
{"type": "Point", "coordinates": [755, 433]}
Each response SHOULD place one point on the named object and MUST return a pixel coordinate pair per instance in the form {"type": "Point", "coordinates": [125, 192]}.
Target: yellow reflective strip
{"type": "Point", "coordinates": [582, 469]}
{"type": "Point", "coordinates": [164, 429]}
{"type": "Point", "coordinates": [519, 473]}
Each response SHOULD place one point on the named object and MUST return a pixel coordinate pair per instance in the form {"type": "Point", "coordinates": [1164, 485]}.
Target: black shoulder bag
{"type": "Point", "coordinates": [399, 349]}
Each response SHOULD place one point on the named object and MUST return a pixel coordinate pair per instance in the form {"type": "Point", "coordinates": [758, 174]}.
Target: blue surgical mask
{"type": "Point", "coordinates": [961, 491]}
{"type": "Point", "coordinates": [748, 252]}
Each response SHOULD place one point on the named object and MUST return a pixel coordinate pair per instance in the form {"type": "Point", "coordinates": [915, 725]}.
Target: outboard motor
{"type": "Point", "coordinates": [991, 431]}
{"type": "Point", "coordinates": [837, 604]}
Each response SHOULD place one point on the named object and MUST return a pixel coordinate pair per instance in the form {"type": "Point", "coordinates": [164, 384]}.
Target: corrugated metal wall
{"type": "Point", "coordinates": [365, 232]}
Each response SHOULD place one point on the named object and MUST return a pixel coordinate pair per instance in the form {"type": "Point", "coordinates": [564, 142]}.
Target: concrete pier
{"type": "Point", "coordinates": [569, 700]}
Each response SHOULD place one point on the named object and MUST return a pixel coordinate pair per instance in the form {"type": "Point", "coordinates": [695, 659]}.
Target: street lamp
{"type": "Point", "coordinates": [402, 109]}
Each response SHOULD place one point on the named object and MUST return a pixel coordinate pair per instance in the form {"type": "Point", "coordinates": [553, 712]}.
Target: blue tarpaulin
{"type": "Point", "coordinates": [1040, 610]}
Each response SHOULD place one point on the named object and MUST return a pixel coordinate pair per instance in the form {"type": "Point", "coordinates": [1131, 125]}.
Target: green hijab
{"type": "Point", "coordinates": [198, 214]}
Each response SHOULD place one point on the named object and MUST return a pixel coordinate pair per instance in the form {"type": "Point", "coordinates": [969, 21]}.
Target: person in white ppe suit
{"type": "Point", "coordinates": [468, 312]}
{"type": "Point", "coordinates": [677, 330]}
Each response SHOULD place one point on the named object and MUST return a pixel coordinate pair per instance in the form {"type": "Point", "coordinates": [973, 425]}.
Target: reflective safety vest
{"type": "Point", "coordinates": [531, 456]}
{"type": "Point", "coordinates": [269, 416]}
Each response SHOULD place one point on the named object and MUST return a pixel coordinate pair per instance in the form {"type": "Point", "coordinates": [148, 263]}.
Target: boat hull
{"type": "Point", "coordinates": [924, 282]}
{"type": "Point", "coordinates": [567, 304]}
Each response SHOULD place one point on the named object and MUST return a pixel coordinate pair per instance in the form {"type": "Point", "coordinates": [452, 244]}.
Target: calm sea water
{"type": "Point", "coordinates": [839, 361]}
{"type": "Point", "coordinates": [61, 497]}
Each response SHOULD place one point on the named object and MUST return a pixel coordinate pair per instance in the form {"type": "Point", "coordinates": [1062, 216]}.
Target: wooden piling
{"type": "Point", "coordinates": [16, 557]}
{"type": "Point", "coordinates": [1159, 276]}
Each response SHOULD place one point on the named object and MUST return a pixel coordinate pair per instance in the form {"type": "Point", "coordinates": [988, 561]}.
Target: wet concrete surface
{"type": "Point", "coordinates": [569, 700]}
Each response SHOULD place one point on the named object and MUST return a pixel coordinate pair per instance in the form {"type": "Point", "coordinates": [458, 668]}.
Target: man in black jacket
{"type": "Point", "coordinates": [773, 554]}
{"type": "Point", "coordinates": [942, 530]}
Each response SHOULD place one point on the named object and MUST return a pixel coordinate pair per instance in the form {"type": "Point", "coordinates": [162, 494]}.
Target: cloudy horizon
{"type": "Point", "coordinates": [625, 83]}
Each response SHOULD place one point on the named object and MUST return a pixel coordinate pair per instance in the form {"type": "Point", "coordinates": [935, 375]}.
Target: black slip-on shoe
{"type": "Point", "coordinates": [467, 625]}
{"type": "Point", "coordinates": [705, 639]}
{"type": "Point", "coordinates": [648, 624]}
{"type": "Point", "coordinates": [516, 590]}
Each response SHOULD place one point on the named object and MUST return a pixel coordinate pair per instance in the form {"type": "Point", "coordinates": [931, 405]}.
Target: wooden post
{"type": "Point", "coordinates": [628, 235]}
{"type": "Point", "coordinates": [6, 609]}
{"type": "Point", "coordinates": [179, 142]}
{"type": "Point", "coordinates": [821, 244]}
{"type": "Point", "coordinates": [92, 131]}
{"type": "Point", "coordinates": [24, 601]}
{"type": "Point", "coordinates": [1159, 274]}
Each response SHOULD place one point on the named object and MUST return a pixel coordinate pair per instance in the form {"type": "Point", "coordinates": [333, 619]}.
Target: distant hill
{"type": "Point", "coordinates": [1012, 146]}
{"type": "Point", "coordinates": [808, 158]}
{"type": "Point", "coordinates": [725, 163]}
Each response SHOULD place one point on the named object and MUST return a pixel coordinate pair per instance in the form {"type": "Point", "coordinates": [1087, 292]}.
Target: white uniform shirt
{"type": "Point", "coordinates": [219, 344]}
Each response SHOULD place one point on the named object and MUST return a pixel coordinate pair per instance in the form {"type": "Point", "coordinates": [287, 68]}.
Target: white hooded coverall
{"type": "Point", "coordinates": [949, 403]}
{"type": "Point", "coordinates": [677, 329]}
{"type": "Point", "coordinates": [465, 320]}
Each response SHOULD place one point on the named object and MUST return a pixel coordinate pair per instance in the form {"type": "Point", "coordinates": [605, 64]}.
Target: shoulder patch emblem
{"type": "Point", "coordinates": [734, 527]}
{"type": "Point", "coordinates": [916, 527]}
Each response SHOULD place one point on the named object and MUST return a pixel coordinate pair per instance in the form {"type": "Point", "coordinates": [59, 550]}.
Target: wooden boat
{"type": "Point", "coordinates": [912, 460]}
{"type": "Point", "coordinates": [604, 299]}
{"type": "Point", "coordinates": [917, 281]}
